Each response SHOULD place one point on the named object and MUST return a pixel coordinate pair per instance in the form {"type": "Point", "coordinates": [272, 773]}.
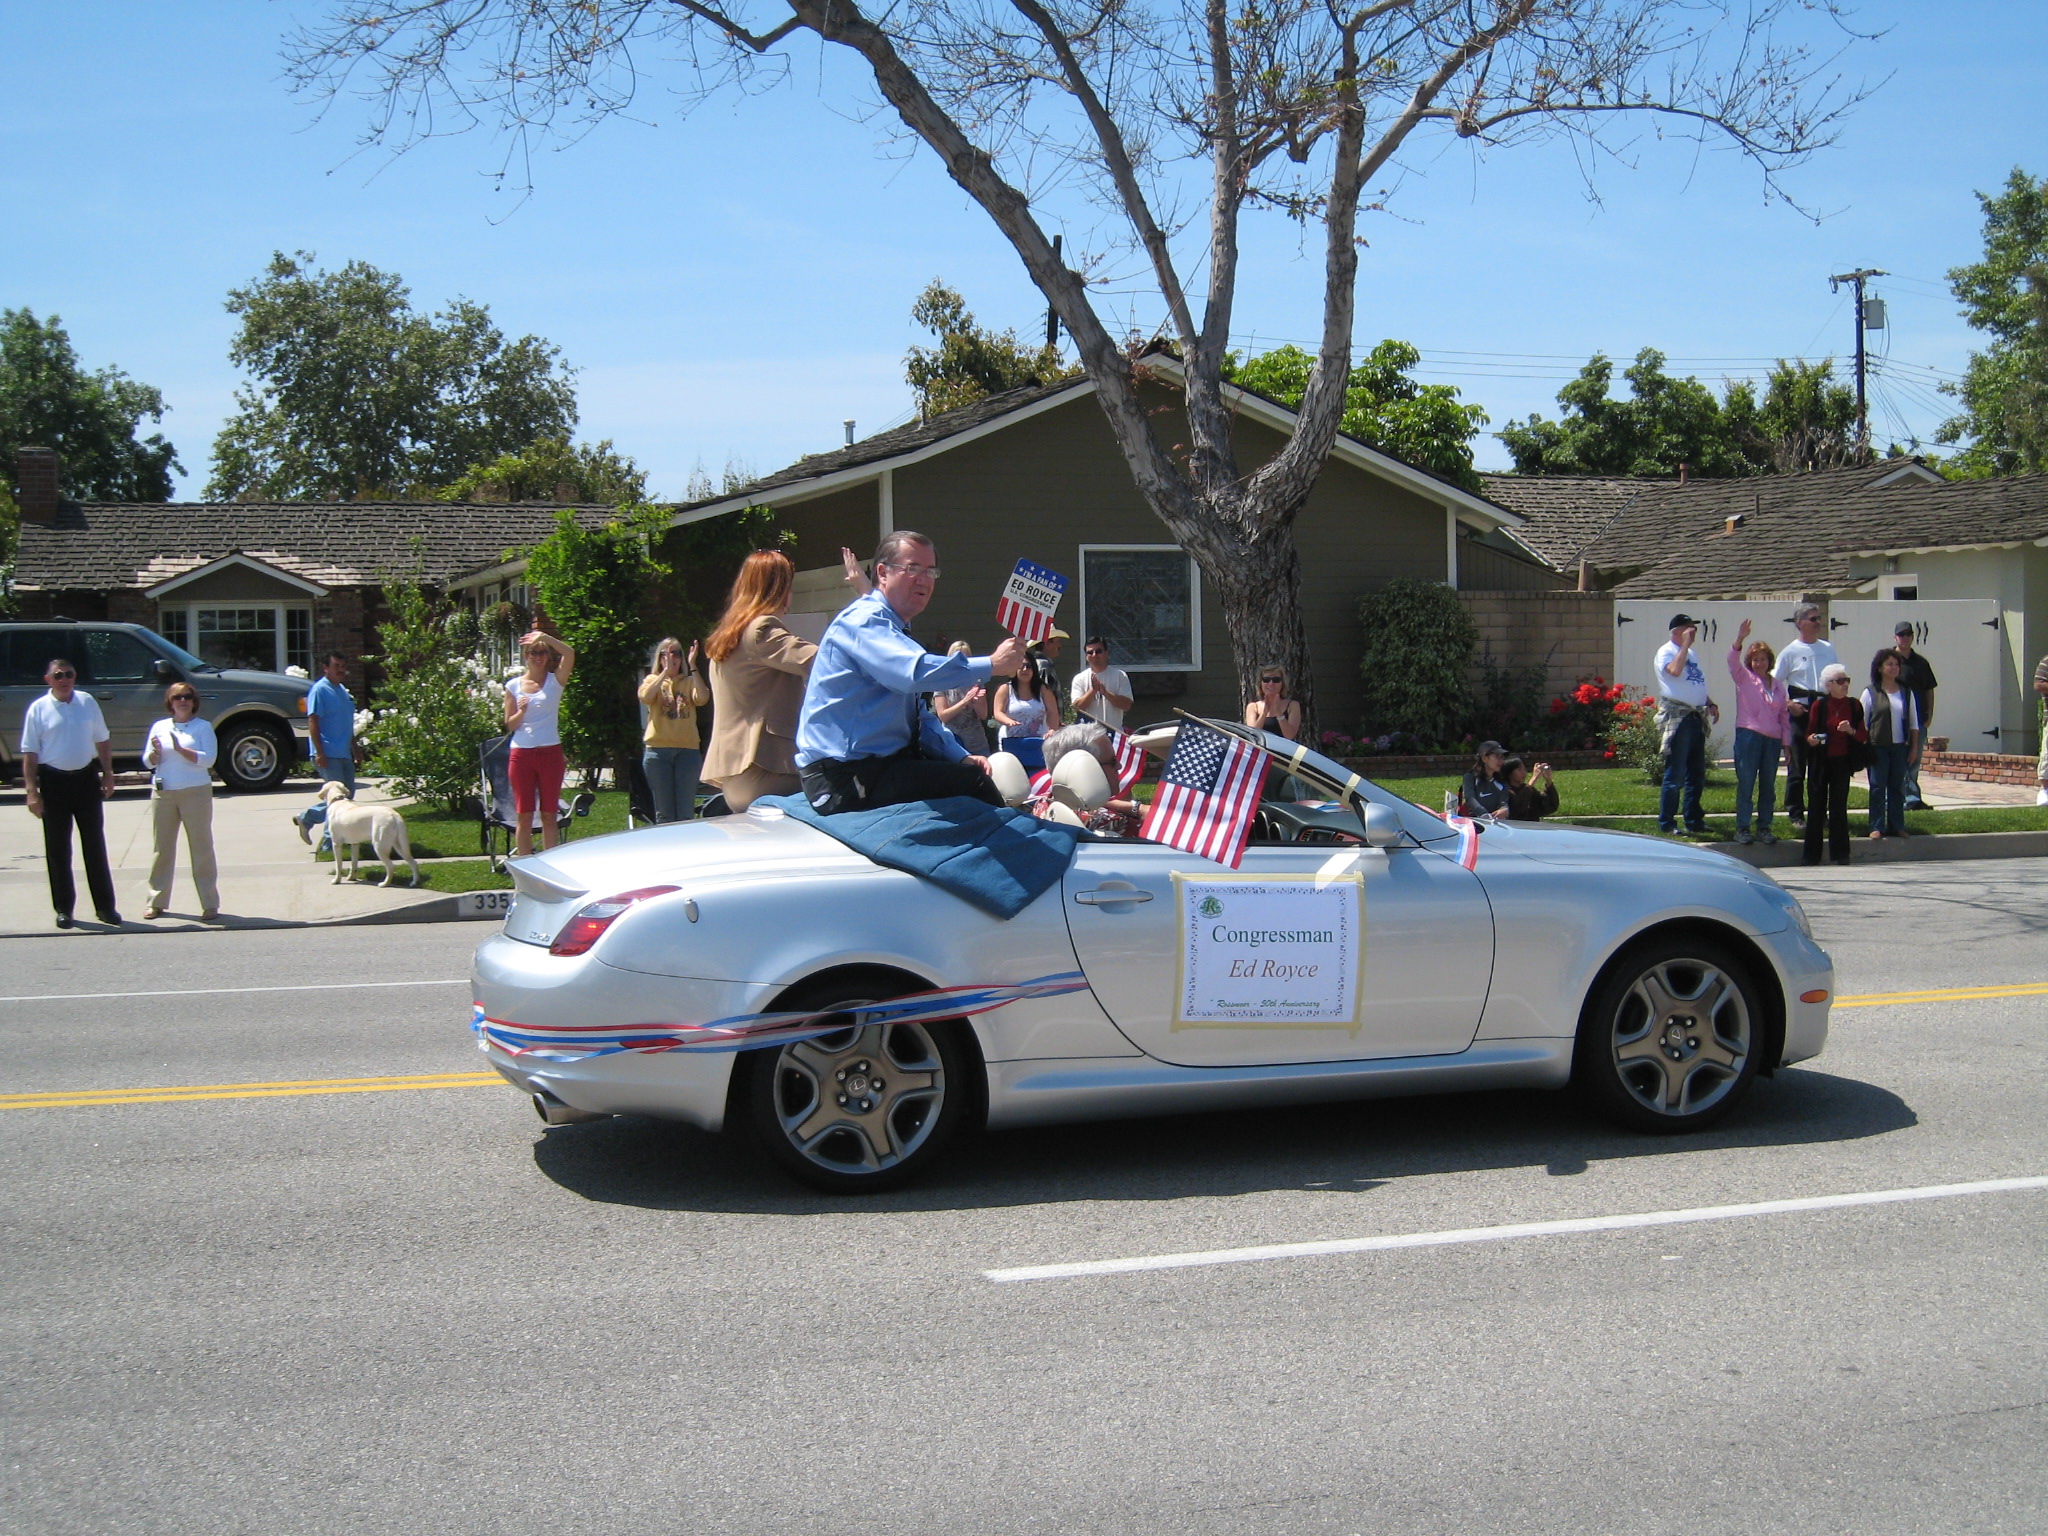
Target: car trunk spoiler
{"type": "Point", "coordinates": [542, 881]}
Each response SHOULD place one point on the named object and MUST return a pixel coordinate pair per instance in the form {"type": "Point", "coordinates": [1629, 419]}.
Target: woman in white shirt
{"type": "Point", "coordinates": [179, 752]}
{"type": "Point", "coordinates": [1894, 721]}
{"type": "Point", "coordinates": [533, 714]}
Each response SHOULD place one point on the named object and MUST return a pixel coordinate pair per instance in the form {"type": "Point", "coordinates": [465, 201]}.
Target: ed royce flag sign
{"type": "Point", "coordinates": [1207, 793]}
{"type": "Point", "coordinates": [1030, 600]}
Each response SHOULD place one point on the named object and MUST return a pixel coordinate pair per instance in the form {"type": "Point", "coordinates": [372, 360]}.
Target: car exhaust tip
{"type": "Point", "coordinates": [553, 1111]}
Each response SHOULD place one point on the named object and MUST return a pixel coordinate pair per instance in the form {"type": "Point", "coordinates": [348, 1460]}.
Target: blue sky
{"type": "Point", "coordinates": [734, 283]}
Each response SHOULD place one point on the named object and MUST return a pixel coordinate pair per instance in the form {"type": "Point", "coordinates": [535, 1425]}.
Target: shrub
{"type": "Point", "coordinates": [438, 701]}
{"type": "Point", "coordinates": [1418, 647]}
{"type": "Point", "coordinates": [1632, 735]}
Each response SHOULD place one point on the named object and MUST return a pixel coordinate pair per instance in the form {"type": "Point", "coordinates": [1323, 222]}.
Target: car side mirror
{"type": "Point", "coordinates": [165, 672]}
{"type": "Point", "coordinates": [1382, 827]}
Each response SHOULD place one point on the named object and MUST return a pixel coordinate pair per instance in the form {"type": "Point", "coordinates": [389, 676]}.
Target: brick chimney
{"type": "Point", "coordinates": [35, 474]}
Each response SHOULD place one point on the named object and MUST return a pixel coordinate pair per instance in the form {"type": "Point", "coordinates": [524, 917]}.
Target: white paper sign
{"type": "Point", "coordinates": [1275, 953]}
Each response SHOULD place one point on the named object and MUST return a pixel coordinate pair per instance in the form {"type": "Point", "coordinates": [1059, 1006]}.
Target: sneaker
{"type": "Point", "coordinates": [1768, 839]}
{"type": "Point", "coordinates": [2042, 797]}
{"type": "Point", "coordinates": [305, 836]}
{"type": "Point", "coordinates": [1916, 805]}
{"type": "Point", "coordinates": [1696, 829]}
{"type": "Point", "coordinates": [1744, 837]}
{"type": "Point", "coordinates": [1668, 828]}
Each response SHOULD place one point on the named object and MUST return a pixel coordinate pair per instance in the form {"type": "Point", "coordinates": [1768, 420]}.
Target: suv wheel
{"type": "Point", "coordinates": [252, 756]}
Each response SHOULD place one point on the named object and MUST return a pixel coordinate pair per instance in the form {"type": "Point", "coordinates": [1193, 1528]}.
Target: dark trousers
{"type": "Point", "coordinates": [1685, 772]}
{"type": "Point", "coordinates": [870, 783]}
{"type": "Point", "coordinates": [68, 798]}
{"type": "Point", "coordinates": [1827, 791]}
{"type": "Point", "coordinates": [1796, 756]}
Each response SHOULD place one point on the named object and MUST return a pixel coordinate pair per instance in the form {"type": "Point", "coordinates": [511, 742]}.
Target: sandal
{"type": "Point", "coordinates": [151, 914]}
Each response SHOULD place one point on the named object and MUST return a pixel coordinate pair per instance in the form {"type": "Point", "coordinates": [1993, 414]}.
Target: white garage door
{"type": "Point", "coordinates": [1962, 641]}
{"type": "Point", "coordinates": [1640, 628]}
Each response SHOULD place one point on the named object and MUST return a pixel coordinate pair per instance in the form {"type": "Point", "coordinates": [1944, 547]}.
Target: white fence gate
{"type": "Point", "coordinates": [1961, 637]}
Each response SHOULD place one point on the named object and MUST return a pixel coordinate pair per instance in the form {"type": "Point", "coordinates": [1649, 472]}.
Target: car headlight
{"type": "Point", "coordinates": [1783, 899]}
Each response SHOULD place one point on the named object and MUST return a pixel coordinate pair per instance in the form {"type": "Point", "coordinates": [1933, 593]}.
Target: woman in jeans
{"type": "Point", "coordinates": [672, 694]}
{"type": "Point", "coordinates": [1894, 721]}
{"type": "Point", "coordinates": [533, 714]}
{"type": "Point", "coordinates": [1763, 724]}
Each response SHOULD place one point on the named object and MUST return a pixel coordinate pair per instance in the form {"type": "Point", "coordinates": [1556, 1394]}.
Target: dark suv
{"type": "Point", "coordinates": [259, 717]}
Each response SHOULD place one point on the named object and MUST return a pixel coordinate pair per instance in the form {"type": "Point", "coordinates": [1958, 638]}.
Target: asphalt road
{"type": "Point", "coordinates": [414, 1309]}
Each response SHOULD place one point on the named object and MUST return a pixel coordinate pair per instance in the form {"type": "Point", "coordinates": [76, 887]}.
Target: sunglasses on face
{"type": "Point", "coordinates": [62, 677]}
{"type": "Point", "coordinates": [183, 698]}
{"type": "Point", "coordinates": [1096, 650]}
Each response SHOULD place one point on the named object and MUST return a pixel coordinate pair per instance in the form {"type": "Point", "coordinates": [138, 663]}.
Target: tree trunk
{"type": "Point", "coordinates": [1259, 591]}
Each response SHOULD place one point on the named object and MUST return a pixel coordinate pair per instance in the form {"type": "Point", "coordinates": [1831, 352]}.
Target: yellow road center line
{"type": "Point", "coordinates": [1943, 995]}
{"type": "Point", "coordinates": [84, 1097]}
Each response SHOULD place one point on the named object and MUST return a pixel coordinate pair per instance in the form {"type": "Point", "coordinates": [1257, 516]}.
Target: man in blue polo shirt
{"type": "Point", "coordinates": [866, 737]}
{"type": "Point", "coordinates": [331, 713]}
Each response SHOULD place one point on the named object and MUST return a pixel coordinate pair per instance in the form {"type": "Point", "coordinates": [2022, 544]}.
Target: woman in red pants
{"type": "Point", "coordinates": [533, 713]}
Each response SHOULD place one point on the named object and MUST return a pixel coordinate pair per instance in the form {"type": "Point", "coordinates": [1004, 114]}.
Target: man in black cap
{"type": "Point", "coordinates": [1684, 712]}
{"type": "Point", "coordinates": [1918, 679]}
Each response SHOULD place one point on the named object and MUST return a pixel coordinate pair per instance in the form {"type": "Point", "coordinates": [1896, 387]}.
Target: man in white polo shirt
{"type": "Point", "coordinates": [61, 736]}
{"type": "Point", "coordinates": [1102, 692]}
{"type": "Point", "coordinates": [1799, 668]}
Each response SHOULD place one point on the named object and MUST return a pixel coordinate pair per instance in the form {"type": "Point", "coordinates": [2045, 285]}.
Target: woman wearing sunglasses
{"type": "Point", "coordinates": [179, 753]}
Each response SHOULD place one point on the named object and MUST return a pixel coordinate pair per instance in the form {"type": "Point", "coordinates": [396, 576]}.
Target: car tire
{"type": "Point", "coordinates": [864, 1108]}
{"type": "Point", "coordinates": [253, 756]}
{"type": "Point", "coordinates": [1670, 1036]}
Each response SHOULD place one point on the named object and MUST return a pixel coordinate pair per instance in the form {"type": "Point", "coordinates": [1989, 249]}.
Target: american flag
{"type": "Point", "coordinates": [1207, 793]}
{"type": "Point", "coordinates": [1130, 757]}
{"type": "Point", "coordinates": [1028, 602]}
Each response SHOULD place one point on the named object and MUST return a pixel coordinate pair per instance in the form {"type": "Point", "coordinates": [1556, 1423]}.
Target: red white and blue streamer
{"type": "Point", "coordinates": [748, 1031]}
{"type": "Point", "coordinates": [1468, 839]}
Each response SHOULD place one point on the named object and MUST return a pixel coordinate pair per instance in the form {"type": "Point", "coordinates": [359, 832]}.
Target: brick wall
{"type": "Point", "coordinates": [1570, 633]}
{"type": "Point", "coordinates": [1979, 767]}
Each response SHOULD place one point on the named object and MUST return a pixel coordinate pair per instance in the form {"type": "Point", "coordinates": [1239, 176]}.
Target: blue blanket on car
{"type": "Point", "coordinates": [992, 856]}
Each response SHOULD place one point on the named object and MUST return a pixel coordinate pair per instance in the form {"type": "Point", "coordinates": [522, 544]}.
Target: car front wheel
{"type": "Point", "coordinates": [865, 1107]}
{"type": "Point", "coordinates": [1669, 1038]}
{"type": "Point", "coordinates": [252, 756]}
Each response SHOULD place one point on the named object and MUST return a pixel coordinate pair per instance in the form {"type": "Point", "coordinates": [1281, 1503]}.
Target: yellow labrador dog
{"type": "Point", "coordinates": [353, 825]}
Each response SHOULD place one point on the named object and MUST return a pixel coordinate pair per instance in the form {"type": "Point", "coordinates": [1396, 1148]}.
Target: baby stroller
{"type": "Point", "coordinates": [497, 817]}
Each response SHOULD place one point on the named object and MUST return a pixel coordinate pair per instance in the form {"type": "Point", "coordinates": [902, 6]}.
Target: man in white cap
{"type": "Point", "coordinates": [1799, 668]}
{"type": "Point", "coordinates": [1684, 711]}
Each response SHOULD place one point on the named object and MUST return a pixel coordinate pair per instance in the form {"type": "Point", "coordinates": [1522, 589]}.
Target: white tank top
{"type": "Point", "coordinates": [542, 725]}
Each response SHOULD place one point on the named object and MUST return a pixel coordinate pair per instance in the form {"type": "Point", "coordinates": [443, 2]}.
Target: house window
{"type": "Point", "coordinates": [1900, 588]}
{"type": "Point", "coordinates": [1146, 600]}
{"type": "Point", "coordinates": [263, 637]}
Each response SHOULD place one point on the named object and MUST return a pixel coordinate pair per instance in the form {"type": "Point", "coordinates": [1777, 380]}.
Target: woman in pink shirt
{"type": "Point", "coordinates": [1763, 726]}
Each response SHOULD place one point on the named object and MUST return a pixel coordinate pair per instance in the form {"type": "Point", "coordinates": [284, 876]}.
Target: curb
{"type": "Point", "coordinates": [1791, 853]}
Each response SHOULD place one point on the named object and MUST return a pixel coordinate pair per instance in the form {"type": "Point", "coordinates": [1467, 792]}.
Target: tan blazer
{"type": "Point", "coordinates": [756, 693]}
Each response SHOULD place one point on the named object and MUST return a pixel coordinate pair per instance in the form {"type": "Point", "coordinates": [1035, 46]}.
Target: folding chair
{"type": "Point", "coordinates": [497, 816]}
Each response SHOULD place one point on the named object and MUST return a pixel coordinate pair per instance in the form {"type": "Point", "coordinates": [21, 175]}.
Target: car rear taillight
{"type": "Point", "coordinates": [590, 922]}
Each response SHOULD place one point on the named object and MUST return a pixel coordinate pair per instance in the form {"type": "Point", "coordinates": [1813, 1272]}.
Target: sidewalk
{"type": "Point", "coordinates": [268, 878]}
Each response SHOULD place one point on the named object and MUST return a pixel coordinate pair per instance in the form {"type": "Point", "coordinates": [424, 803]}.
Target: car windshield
{"type": "Point", "coordinates": [183, 657]}
{"type": "Point", "coordinates": [1310, 778]}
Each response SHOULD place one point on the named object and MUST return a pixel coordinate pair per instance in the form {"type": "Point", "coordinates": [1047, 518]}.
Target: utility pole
{"type": "Point", "coordinates": [1052, 316]}
{"type": "Point", "coordinates": [1857, 278]}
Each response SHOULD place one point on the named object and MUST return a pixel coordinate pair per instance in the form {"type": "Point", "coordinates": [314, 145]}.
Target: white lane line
{"type": "Point", "coordinates": [1504, 1233]}
{"type": "Point", "coordinates": [318, 986]}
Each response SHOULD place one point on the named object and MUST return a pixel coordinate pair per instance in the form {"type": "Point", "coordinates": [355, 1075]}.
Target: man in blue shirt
{"type": "Point", "coordinates": [331, 712]}
{"type": "Point", "coordinates": [866, 737]}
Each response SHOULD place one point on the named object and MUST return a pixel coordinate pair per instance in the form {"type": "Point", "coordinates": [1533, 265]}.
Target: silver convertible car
{"type": "Point", "coordinates": [754, 971]}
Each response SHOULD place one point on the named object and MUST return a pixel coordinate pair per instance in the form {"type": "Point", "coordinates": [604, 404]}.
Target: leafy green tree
{"type": "Point", "coordinates": [438, 700]}
{"type": "Point", "coordinates": [969, 362]}
{"type": "Point", "coordinates": [2005, 387]}
{"type": "Point", "coordinates": [354, 394]}
{"type": "Point", "coordinates": [1664, 423]}
{"type": "Point", "coordinates": [1807, 419]}
{"type": "Point", "coordinates": [594, 585]}
{"type": "Point", "coordinates": [552, 470]}
{"type": "Point", "coordinates": [1420, 424]}
{"type": "Point", "coordinates": [49, 400]}
{"type": "Point", "coordinates": [1417, 652]}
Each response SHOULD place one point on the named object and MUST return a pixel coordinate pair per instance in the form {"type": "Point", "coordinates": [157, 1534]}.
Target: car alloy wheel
{"type": "Point", "coordinates": [1669, 1042]}
{"type": "Point", "coordinates": [251, 758]}
{"type": "Point", "coordinates": [864, 1107]}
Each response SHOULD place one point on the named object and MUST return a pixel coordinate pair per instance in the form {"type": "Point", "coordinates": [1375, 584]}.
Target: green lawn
{"type": "Point", "coordinates": [444, 875]}
{"type": "Point", "coordinates": [436, 834]}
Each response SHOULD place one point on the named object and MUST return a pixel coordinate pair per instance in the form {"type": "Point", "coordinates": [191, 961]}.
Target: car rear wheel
{"type": "Point", "coordinates": [866, 1107]}
{"type": "Point", "coordinates": [1669, 1038]}
{"type": "Point", "coordinates": [252, 756]}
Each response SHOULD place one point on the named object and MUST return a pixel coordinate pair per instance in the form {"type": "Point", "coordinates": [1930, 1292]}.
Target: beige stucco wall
{"type": "Point", "coordinates": [1571, 633]}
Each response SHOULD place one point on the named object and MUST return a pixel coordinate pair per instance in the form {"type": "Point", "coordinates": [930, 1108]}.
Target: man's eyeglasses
{"type": "Point", "coordinates": [914, 572]}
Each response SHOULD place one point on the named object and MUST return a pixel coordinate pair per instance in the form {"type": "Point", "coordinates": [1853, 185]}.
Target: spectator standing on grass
{"type": "Point", "coordinates": [1485, 790]}
{"type": "Point", "coordinates": [330, 737]}
{"type": "Point", "coordinates": [672, 756]}
{"type": "Point", "coordinates": [1799, 668]}
{"type": "Point", "coordinates": [1531, 793]}
{"type": "Point", "coordinates": [1918, 676]}
{"type": "Point", "coordinates": [1763, 724]}
{"type": "Point", "coordinates": [964, 711]}
{"type": "Point", "coordinates": [1892, 717]}
{"type": "Point", "coordinates": [2041, 763]}
{"type": "Point", "coordinates": [1834, 725]}
{"type": "Point", "coordinates": [61, 735]}
{"type": "Point", "coordinates": [179, 754]}
{"type": "Point", "coordinates": [533, 714]}
{"type": "Point", "coordinates": [1101, 692]}
{"type": "Point", "coordinates": [1684, 712]}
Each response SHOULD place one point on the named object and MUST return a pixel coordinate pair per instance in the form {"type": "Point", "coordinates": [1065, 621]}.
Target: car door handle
{"type": "Point", "coordinates": [1104, 895]}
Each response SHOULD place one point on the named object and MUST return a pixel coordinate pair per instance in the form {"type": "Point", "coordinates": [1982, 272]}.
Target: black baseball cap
{"type": "Point", "coordinates": [1683, 621]}
{"type": "Point", "coordinates": [1903, 627]}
